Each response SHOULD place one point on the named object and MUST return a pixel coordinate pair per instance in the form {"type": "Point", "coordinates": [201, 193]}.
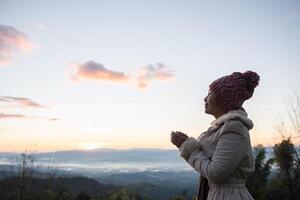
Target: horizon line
{"type": "Point", "coordinates": [105, 148]}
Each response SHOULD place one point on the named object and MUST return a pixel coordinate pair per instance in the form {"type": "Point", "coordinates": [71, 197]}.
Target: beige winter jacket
{"type": "Point", "coordinates": [223, 155]}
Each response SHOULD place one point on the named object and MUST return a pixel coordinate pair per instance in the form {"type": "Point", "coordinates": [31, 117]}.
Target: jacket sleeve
{"type": "Point", "coordinates": [188, 146]}
{"type": "Point", "coordinates": [230, 150]}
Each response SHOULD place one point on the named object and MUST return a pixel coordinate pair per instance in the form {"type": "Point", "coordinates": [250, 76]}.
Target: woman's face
{"type": "Point", "coordinates": [211, 105]}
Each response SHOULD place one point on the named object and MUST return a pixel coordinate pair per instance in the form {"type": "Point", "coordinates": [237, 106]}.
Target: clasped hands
{"type": "Point", "coordinates": [177, 138]}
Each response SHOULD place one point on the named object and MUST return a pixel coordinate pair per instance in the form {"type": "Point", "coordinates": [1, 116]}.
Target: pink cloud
{"type": "Point", "coordinates": [20, 116]}
{"type": "Point", "coordinates": [12, 40]}
{"type": "Point", "coordinates": [24, 102]}
{"type": "Point", "coordinates": [92, 70]}
{"type": "Point", "coordinates": [95, 71]}
{"type": "Point", "coordinates": [153, 72]}
{"type": "Point", "coordinates": [43, 118]}
{"type": "Point", "coordinates": [12, 102]}
{"type": "Point", "coordinates": [9, 116]}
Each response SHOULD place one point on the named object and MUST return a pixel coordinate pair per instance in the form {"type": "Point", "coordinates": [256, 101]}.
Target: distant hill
{"type": "Point", "coordinates": [39, 188]}
{"type": "Point", "coordinates": [169, 179]}
{"type": "Point", "coordinates": [106, 160]}
{"type": "Point", "coordinates": [36, 186]}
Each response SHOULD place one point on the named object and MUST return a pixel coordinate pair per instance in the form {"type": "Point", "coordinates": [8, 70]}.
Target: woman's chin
{"type": "Point", "coordinates": [207, 111]}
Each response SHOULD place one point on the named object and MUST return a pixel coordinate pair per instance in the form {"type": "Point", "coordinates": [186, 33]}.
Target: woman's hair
{"type": "Point", "coordinates": [232, 90]}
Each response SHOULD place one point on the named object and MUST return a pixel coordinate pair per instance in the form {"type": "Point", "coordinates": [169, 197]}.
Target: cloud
{"type": "Point", "coordinates": [95, 71]}
{"type": "Point", "coordinates": [12, 40]}
{"type": "Point", "coordinates": [45, 118]}
{"type": "Point", "coordinates": [153, 72]}
{"type": "Point", "coordinates": [24, 102]}
{"type": "Point", "coordinates": [20, 116]}
{"type": "Point", "coordinates": [53, 119]}
{"type": "Point", "coordinates": [13, 102]}
{"type": "Point", "coordinates": [9, 116]}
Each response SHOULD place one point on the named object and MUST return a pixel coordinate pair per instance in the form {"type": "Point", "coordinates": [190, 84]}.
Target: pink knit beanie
{"type": "Point", "coordinates": [232, 90]}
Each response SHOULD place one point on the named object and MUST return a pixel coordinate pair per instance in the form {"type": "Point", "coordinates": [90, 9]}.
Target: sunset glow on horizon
{"type": "Point", "coordinates": [124, 74]}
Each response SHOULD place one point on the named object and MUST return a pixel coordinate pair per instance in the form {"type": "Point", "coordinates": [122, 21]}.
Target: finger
{"type": "Point", "coordinates": [173, 133]}
{"type": "Point", "coordinates": [177, 144]}
{"type": "Point", "coordinates": [173, 142]}
{"type": "Point", "coordinates": [176, 140]}
{"type": "Point", "coordinates": [183, 137]}
{"type": "Point", "coordinates": [175, 136]}
{"type": "Point", "coordinates": [179, 140]}
{"type": "Point", "coordinates": [180, 133]}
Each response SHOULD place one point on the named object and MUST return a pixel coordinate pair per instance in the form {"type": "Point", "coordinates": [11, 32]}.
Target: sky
{"type": "Point", "coordinates": [124, 74]}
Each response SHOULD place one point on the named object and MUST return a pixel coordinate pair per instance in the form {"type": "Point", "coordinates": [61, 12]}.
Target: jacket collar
{"type": "Point", "coordinates": [239, 114]}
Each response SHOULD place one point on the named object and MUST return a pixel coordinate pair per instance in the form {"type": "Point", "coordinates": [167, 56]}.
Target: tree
{"type": "Point", "coordinates": [284, 185]}
{"type": "Point", "coordinates": [83, 196]}
{"type": "Point", "coordinates": [289, 125]}
{"type": "Point", "coordinates": [63, 195]}
{"type": "Point", "coordinates": [184, 193]}
{"type": "Point", "coordinates": [287, 182]}
{"type": "Point", "coordinates": [179, 197]}
{"type": "Point", "coordinates": [25, 172]}
{"type": "Point", "coordinates": [24, 184]}
{"type": "Point", "coordinates": [124, 194]}
{"type": "Point", "coordinates": [256, 182]}
{"type": "Point", "coordinates": [293, 110]}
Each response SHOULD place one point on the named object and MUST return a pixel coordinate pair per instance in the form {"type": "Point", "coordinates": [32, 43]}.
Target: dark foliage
{"type": "Point", "coordinates": [257, 182]}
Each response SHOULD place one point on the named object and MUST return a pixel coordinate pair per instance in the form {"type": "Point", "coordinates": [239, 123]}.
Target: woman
{"type": "Point", "coordinates": [223, 154]}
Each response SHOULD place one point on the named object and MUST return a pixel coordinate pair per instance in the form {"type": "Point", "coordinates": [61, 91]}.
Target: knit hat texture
{"type": "Point", "coordinates": [232, 90]}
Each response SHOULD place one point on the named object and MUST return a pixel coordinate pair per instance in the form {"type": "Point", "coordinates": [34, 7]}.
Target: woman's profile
{"type": "Point", "coordinates": [223, 154]}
